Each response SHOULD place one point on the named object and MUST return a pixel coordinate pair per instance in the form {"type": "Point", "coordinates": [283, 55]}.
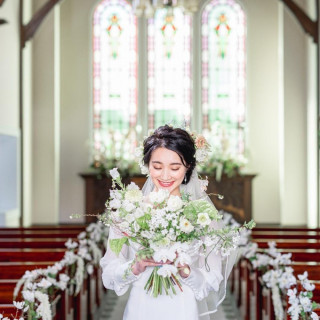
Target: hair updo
{"type": "Point", "coordinates": [174, 139]}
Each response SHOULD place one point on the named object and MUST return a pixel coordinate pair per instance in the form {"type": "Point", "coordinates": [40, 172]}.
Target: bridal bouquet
{"type": "Point", "coordinates": [167, 228]}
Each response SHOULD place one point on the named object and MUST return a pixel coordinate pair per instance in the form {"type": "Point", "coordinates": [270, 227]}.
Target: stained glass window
{"type": "Point", "coordinates": [224, 72]}
{"type": "Point", "coordinates": [169, 67]}
{"type": "Point", "coordinates": [114, 69]}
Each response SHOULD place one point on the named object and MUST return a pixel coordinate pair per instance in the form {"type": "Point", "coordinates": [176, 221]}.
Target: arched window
{"type": "Point", "coordinates": [169, 67]}
{"type": "Point", "coordinates": [114, 69]}
{"type": "Point", "coordinates": [224, 72]}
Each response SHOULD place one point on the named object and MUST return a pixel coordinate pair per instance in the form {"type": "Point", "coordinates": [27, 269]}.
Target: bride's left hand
{"type": "Point", "coordinates": [184, 270]}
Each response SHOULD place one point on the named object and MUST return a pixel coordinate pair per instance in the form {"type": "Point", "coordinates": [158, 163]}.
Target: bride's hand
{"type": "Point", "coordinates": [140, 265]}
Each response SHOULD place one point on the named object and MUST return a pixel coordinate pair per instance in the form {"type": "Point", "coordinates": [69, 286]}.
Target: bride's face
{"type": "Point", "coordinates": [166, 170]}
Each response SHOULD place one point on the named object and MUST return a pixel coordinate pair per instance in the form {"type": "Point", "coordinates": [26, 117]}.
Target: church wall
{"type": "Point", "coordinates": [44, 197]}
{"type": "Point", "coordinates": [9, 112]}
{"type": "Point", "coordinates": [294, 171]}
{"type": "Point", "coordinates": [263, 104]}
{"type": "Point", "coordinates": [76, 117]}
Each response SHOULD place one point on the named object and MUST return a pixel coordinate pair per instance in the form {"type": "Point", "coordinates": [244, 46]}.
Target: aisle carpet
{"type": "Point", "coordinates": [113, 307]}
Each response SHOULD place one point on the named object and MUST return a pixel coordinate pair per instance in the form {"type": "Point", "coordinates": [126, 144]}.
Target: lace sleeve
{"type": "Point", "coordinates": [114, 267]}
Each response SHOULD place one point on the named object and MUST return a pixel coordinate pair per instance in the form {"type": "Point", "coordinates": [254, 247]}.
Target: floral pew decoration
{"type": "Point", "coordinates": [39, 287]}
{"type": "Point", "coordinates": [278, 276]}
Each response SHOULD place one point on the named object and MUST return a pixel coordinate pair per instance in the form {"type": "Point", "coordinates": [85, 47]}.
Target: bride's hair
{"type": "Point", "coordinates": [174, 139]}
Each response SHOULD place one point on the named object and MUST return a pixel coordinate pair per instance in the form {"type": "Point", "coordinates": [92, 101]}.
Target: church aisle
{"type": "Point", "coordinates": [113, 307]}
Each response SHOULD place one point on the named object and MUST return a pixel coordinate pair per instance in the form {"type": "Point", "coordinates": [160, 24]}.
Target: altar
{"type": "Point", "coordinates": [236, 192]}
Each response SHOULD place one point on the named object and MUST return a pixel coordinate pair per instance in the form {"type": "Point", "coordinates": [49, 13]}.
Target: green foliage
{"type": "Point", "coordinates": [193, 208]}
{"type": "Point", "coordinates": [117, 244]}
{"type": "Point", "coordinates": [143, 221]}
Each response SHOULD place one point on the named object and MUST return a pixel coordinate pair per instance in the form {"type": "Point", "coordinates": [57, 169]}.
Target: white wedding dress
{"type": "Point", "coordinates": [186, 305]}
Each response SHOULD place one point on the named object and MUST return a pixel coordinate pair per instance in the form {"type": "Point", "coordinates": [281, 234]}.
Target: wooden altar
{"type": "Point", "coordinates": [237, 192]}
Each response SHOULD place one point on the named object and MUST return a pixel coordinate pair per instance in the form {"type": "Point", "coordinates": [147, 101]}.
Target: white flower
{"type": "Point", "coordinates": [28, 295]}
{"type": "Point", "coordinates": [174, 203]}
{"type": "Point", "coordinates": [82, 235]}
{"type": "Point", "coordinates": [19, 305]}
{"type": "Point", "coordinates": [115, 203]}
{"type": "Point", "coordinates": [136, 226]}
{"type": "Point", "coordinates": [44, 283]}
{"type": "Point", "coordinates": [183, 259]}
{"type": "Point", "coordinates": [124, 225]}
{"type": "Point", "coordinates": [63, 277]}
{"type": "Point", "coordinates": [158, 196]}
{"type": "Point", "coordinates": [134, 195]}
{"type": "Point", "coordinates": [144, 169]}
{"type": "Point", "coordinates": [115, 194]}
{"type": "Point", "coordinates": [71, 244]}
{"type": "Point", "coordinates": [138, 213]}
{"type": "Point", "coordinates": [128, 206]}
{"type": "Point", "coordinates": [167, 270]}
{"type": "Point", "coordinates": [164, 254]}
{"type": "Point", "coordinates": [90, 269]}
{"type": "Point", "coordinates": [306, 304]}
{"type": "Point", "coordinates": [201, 155]}
{"type": "Point", "coordinates": [147, 234]}
{"type": "Point", "coordinates": [44, 307]}
{"type": "Point", "coordinates": [303, 276]}
{"type": "Point", "coordinates": [130, 218]}
{"type": "Point", "coordinates": [185, 225]}
{"type": "Point", "coordinates": [132, 186]}
{"type": "Point", "coordinates": [203, 219]}
{"type": "Point", "coordinates": [314, 316]}
{"type": "Point", "coordinates": [114, 173]}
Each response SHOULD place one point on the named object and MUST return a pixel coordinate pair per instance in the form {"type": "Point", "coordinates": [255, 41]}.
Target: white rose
{"type": "Point", "coordinates": [114, 173]}
{"type": "Point", "coordinates": [115, 194]}
{"type": "Point", "coordinates": [174, 203]}
{"type": "Point", "coordinates": [203, 219]}
{"type": "Point", "coordinates": [128, 206]}
{"type": "Point", "coordinates": [134, 195]}
{"type": "Point", "coordinates": [185, 225]}
{"type": "Point", "coordinates": [138, 213]}
{"type": "Point", "coordinates": [124, 225]}
{"type": "Point", "coordinates": [158, 196]}
{"type": "Point", "coordinates": [132, 186]}
{"type": "Point", "coordinates": [115, 203]}
{"type": "Point", "coordinates": [129, 217]}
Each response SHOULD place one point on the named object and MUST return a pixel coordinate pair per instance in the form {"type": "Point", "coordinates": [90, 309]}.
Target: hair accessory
{"type": "Point", "coordinates": [201, 144]}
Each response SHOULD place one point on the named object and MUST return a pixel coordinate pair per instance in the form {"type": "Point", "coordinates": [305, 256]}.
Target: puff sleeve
{"type": "Point", "coordinates": [114, 267]}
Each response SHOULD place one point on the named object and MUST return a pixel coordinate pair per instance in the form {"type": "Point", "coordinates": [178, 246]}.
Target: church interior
{"type": "Point", "coordinates": [84, 81]}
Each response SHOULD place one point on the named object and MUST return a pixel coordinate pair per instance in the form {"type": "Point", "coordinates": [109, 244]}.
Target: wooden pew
{"type": "Point", "coordinates": [38, 253]}
{"type": "Point", "coordinates": [286, 239]}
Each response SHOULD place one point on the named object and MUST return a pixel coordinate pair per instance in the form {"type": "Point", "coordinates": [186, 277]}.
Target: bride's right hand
{"type": "Point", "coordinates": [140, 265]}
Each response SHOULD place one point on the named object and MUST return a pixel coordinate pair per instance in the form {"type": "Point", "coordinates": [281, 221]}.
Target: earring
{"type": "Point", "coordinates": [185, 179]}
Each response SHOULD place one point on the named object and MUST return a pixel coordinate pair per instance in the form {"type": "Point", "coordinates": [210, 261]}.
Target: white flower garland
{"type": "Point", "coordinates": [84, 254]}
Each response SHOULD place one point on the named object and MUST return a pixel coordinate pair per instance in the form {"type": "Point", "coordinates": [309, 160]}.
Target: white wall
{"type": "Point", "coordinates": [75, 103]}
{"type": "Point", "coordinates": [44, 206]}
{"type": "Point", "coordinates": [9, 88]}
{"type": "Point", "coordinates": [263, 104]}
{"type": "Point", "coordinates": [294, 201]}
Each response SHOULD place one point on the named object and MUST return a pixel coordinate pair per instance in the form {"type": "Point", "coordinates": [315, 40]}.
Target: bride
{"type": "Point", "coordinates": [169, 154]}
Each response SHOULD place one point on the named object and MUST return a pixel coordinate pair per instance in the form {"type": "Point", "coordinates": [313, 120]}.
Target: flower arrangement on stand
{"type": "Point", "coordinates": [224, 158]}
{"type": "Point", "coordinates": [116, 150]}
{"type": "Point", "coordinates": [39, 287]}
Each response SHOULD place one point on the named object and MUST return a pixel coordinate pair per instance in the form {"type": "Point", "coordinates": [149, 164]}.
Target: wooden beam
{"type": "Point", "coordinates": [308, 25]}
{"type": "Point", "coordinates": [29, 30]}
